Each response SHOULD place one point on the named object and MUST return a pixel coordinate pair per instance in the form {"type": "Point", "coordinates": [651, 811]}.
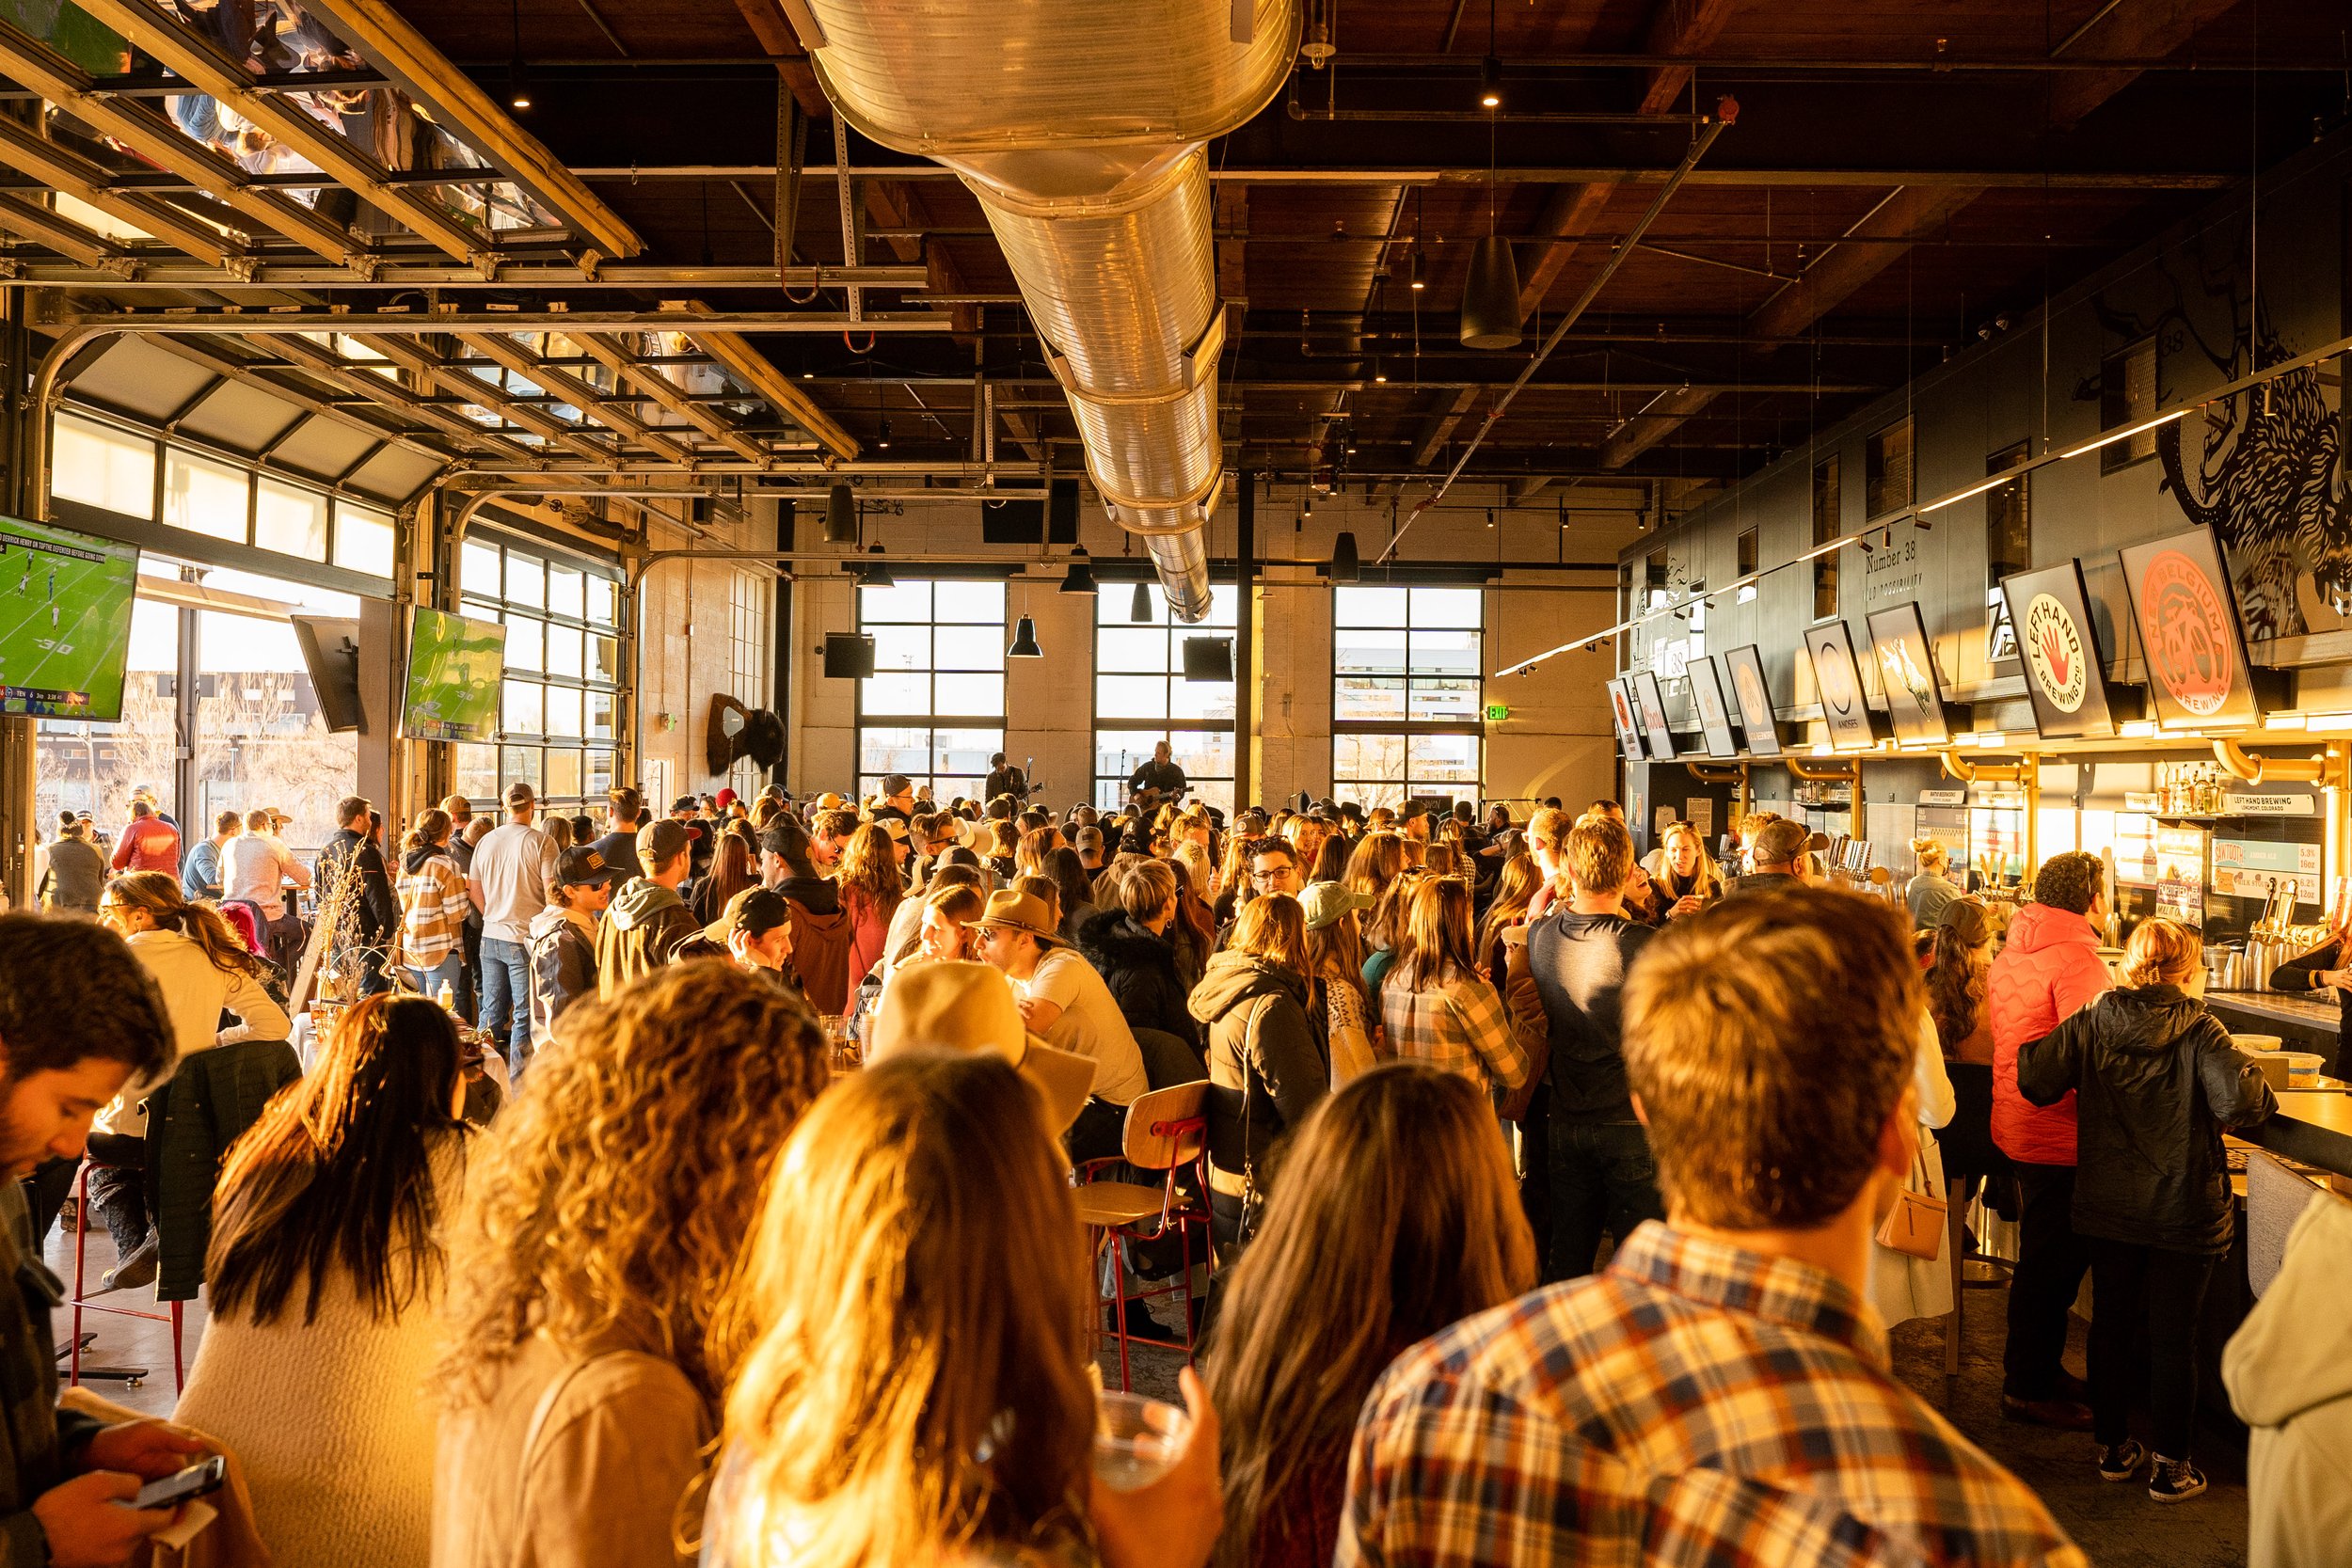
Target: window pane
{"type": "Point", "coordinates": [525, 580]}
{"type": "Point", "coordinates": [1202, 753]}
{"type": "Point", "coordinates": [1201, 699]}
{"type": "Point", "coordinates": [1118, 752]}
{"type": "Point", "coordinates": [564, 773]}
{"type": "Point", "coordinates": [363, 540]}
{"type": "Point", "coordinates": [564, 650]}
{"type": "Point", "coordinates": [901, 648]}
{"type": "Point", "coordinates": [1449, 607]}
{"type": "Point", "coordinates": [905, 602]}
{"type": "Point", "coordinates": [894, 751]}
{"type": "Point", "coordinates": [1130, 696]}
{"type": "Point", "coordinates": [205, 497]}
{"type": "Point", "coordinates": [980, 695]}
{"type": "Point", "coordinates": [1365, 697]}
{"type": "Point", "coordinates": [1368, 756]}
{"type": "Point", "coordinates": [599, 778]}
{"type": "Point", "coordinates": [606, 654]}
{"type": "Point", "coordinates": [562, 706]}
{"type": "Point", "coordinates": [523, 650]}
{"type": "Point", "coordinates": [519, 763]}
{"type": "Point", "coordinates": [1368, 653]}
{"type": "Point", "coordinates": [476, 773]}
{"type": "Point", "coordinates": [478, 570]}
{"type": "Point", "coordinates": [1443, 758]}
{"type": "Point", "coordinates": [964, 753]}
{"type": "Point", "coordinates": [896, 694]}
{"type": "Point", "coordinates": [600, 716]}
{"type": "Point", "coordinates": [602, 595]}
{"type": "Point", "coordinates": [968, 648]}
{"type": "Point", "coordinates": [1368, 607]}
{"type": "Point", "coordinates": [972, 603]}
{"type": "Point", "coordinates": [1132, 650]}
{"type": "Point", "coordinates": [94, 462]}
{"type": "Point", "coordinates": [566, 591]}
{"type": "Point", "coordinates": [522, 714]}
{"type": "Point", "coordinates": [289, 521]}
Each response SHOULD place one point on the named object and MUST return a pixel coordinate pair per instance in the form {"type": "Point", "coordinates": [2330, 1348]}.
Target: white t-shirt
{"type": "Point", "coordinates": [514, 866]}
{"type": "Point", "coordinates": [258, 867]}
{"type": "Point", "coordinates": [1090, 1024]}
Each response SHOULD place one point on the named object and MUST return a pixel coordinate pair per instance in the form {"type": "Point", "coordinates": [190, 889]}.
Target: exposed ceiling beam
{"type": "Point", "coordinates": [1656, 420]}
{"type": "Point", "coordinates": [509, 276]}
{"type": "Point", "coordinates": [768, 24]}
{"type": "Point", "coordinates": [500, 349]}
{"type": "Point", "coordinates": [649, 380]}
{"type": "Point", "coordinates": [147, 134]}
{"type": "Point", "coordinates": [419, 360]}
{"type": "Point", "coordinates": [207, 65]}
{"type": "Point", "coordinates": [754, 370]}
{"type": "Point", "coordinates": [317, 359]}
{"type": "Point", "coordinates": [1438, 426]}
{"type": "Point", "coordinates": [42, 225]}
{"type": "Point", "coordinates": [61, 167]}
{"type": "Point", "coordinates": [370, 421]}
{"type": "Point", "coordinates": [363, 323]}
{"type": "Point", "coordinates": [1530, 174]}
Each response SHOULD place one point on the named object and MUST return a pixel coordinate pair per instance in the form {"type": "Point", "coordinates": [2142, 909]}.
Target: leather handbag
{"type": "Point", "coordinates": [1915, 1224]}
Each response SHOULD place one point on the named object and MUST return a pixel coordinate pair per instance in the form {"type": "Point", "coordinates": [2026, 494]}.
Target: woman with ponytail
{"type": "Point", "coordinates": [433, 907]}
{"type": "Point", "coordinates": [202, 971]}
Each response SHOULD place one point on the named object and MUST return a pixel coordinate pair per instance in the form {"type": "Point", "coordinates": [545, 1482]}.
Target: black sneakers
{"type": "Point", "coordinates": [2175, 1480]}
{"type": "Point", "coordinates": [2122, 1462]}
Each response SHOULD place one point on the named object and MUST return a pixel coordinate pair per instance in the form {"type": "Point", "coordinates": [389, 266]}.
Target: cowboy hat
{"type": "Point", "coordinates": [1009, 909]}
{"type": "Point", "coordinates": [947, 1004]}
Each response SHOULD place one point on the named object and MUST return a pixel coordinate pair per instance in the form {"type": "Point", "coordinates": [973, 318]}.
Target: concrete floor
{"type": "Point", "coordinates": [2116, 1525]}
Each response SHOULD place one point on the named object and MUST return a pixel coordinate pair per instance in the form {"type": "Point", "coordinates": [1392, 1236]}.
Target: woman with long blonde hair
{"type": "Point", "coordinates": [914, 1324]}
{"type": "Point", "coordinates": [605, 1218]}
{"type": "Point", "coordinates": [1434, 1002]}
{"type": "Point", "coordinates": [1399, 1218]}
{"type": "Point", "coordinates": [1514, 890]}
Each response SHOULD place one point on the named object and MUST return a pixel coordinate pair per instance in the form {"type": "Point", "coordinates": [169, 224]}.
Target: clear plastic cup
{"type": "Point", "coordinates": [1137, 1440]}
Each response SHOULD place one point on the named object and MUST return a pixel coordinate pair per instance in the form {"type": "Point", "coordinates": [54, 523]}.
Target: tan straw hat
{"type": "Point", "coordinates": [1009, 909]}
{"type": "Point", "coordinates": [951, 1006]}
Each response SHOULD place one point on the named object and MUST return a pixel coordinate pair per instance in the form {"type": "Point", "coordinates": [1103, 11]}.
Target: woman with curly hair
{"type": "Point", "coordinates": [912, 1327]}
{"type": "Point", "coordinates": [1959, 959]}
{"type": "Point", "coordinates": [602, 1222]}
{"type": "Point", "coordinates": [871, 888]}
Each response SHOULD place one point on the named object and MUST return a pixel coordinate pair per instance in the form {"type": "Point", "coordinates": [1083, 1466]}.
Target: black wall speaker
{"type": "Point", "coordinates": [849, 657]}
{"type": "Point", "coordinates": [330, 651]}
{"type": "Point", "coordinates": [1208, 659]}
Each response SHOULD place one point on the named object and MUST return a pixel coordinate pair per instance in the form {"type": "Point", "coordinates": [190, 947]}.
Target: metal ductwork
{"type": "Point", "coordinates": [1082, 128]}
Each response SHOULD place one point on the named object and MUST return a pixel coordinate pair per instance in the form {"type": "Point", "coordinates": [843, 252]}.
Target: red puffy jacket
{"type": "Point", "coordinates": [2048, 971]}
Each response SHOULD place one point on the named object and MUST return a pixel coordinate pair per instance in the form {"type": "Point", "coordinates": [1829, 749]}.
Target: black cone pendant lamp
{"type": "Point", "coordinates": [1025, 640]}
{"type": "Point", "coordinates": [1490, 296]}
{"type": "Point", "coordinates": [1345, 566]}
{"type": "Point", "coordinates": [1081, 577]}
{"type": "Point", "coordinates": [840, 515]}
{"type": "Point", "coordinates": [1139, 612]}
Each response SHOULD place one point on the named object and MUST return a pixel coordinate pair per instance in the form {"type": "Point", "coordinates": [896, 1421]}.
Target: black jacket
{"type": "Point", "coordinates": [1256, 1017]}
{"type": "Point", "coordinates": [2156, 1080]}
{"type": "Point", "coordinates": [1580, 962]}
{"type": "Point", "coordinates": [1141, 970]}
{"type": "Point", "coordinates": [2303, 975]}
{"type": "Point", "coordinates": [376, 913]}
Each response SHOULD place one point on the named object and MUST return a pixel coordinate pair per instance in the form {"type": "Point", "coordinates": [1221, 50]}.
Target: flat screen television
{"type": "Point", "coordinates": [455, 667]}
{"type": "Point", "coordinates": [65, 621]}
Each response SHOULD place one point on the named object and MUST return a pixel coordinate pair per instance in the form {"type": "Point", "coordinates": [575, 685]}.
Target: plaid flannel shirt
{"type": "Point", "coordinates": [1696, 1403]}
{"type": "Point", "coordinates": [1460, 1027]}
{"type": "Point", "coordinates": [433, 908]}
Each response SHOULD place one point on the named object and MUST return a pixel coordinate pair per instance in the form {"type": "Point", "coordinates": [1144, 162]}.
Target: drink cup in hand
{"type": "Point", "coordinates": [1137, 1440]}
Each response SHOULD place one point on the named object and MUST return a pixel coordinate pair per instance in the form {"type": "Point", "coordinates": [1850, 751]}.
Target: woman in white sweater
{"type": "Point", "coordinates": [202, 971]}
{"type": "Point", "coordinates": [326, 1275]}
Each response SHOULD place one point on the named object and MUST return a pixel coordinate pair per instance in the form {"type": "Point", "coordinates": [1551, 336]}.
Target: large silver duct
{"type": "Point", "coordinates": [1082, 127]}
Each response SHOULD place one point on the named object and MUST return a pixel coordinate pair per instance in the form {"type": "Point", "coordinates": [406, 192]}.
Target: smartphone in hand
{"type": "Point", "coordinates": [205, 1475]}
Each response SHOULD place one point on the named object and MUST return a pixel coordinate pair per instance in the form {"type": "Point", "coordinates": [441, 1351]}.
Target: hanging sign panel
{"type": "Point", "coordinates": [1914, 697]}
{"type": "Point", "coordinates": [1621, 710]}
{"type": "Point", "coordinates": [1651, 704]}
{"type": "Point", "coordinates": [2064, 675]}
{"type": "Point", "coordinates": [1755, 699]}
{"type": "Point", "coordinates": [1839, 681]}
{"type": "Point", "coordinates": [2187, 617]}
{"type": "Point", "coordinates": [1707, 694]}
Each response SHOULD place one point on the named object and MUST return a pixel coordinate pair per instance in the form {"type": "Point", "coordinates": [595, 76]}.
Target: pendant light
{"type": "Point", "coordinates": [1490, 70]}
{"type": "Point", "coordinates": [1490, 295]}
{"type": "Point", "coordinates": [876, 574]}
{"type": "Point", "coordinates": [1025, 640]}
{"type": "Point", "coordinates": [840, 515]}
{"type": "Point", "coordinates": [518, 83]}
{"type": "Point", "coordinates": [1081, 577]}
{"type": "Point", "coordinates": [1346, 565]}
{"type": "Point", "coordinates": [1140, 611]}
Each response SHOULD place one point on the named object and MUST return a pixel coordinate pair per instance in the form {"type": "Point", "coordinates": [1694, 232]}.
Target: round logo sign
{"type": "Point", "coordinates": [1754, 707]}
{"type": "Point", "coordinates": [2190, 653]}
{"type": "Point", "coordinates": [1836, 678]}
{"type": "Point", "coordinates": [2056, 655]}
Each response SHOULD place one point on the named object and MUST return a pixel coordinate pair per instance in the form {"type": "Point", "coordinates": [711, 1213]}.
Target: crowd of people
{"type": "Point", "coordinates": [1554, 1190]}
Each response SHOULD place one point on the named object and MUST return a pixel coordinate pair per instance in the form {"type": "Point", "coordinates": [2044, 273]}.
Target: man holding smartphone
{"type": "Point", "coordinates": [79, 1018]}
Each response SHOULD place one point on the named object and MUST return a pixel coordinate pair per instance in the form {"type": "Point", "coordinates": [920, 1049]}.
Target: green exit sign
{"type": "Point", "coordinates": [1497, 713]}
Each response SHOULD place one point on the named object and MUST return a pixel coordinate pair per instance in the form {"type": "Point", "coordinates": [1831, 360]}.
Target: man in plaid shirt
{"type": "Point", "coordinates": [1720, 1394]}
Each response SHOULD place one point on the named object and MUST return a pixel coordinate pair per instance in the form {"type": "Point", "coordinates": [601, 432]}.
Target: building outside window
{"type": "Point", "coordinates": [561, 696]}
{"type": "Point", "coordinates": [1408, 694]}
{"type": "Point", "coordinates": [1142, 698]}
{"type": "Point", "coordinates": [934, 707]}
{"type": "Point", "coordinates": [750, 661]}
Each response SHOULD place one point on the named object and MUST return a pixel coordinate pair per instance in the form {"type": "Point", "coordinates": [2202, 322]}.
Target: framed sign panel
{"type": "Point", "coordinates": [1651, 702]}
{"type": "Point", "coordinates": [1914, 695]}
{"type": "Point", "coordinates": [1839, 681]}
{"type": "Point", "coordinates": [1707, 695]}
{"type": "Point", "coordinates": [2065, 676]}
{"type": "Point", "coordinates": [1621, 710]}
{"type": "Point", "coordinates": [1755, 699]}
{"type": "Point", "coordinates": [2198, 674]}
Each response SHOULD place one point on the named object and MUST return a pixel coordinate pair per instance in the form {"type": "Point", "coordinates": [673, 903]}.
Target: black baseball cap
{"type": "Point", "coordinates": [755, 911]}
{"type": "Point", "coordinates": [583, 866]}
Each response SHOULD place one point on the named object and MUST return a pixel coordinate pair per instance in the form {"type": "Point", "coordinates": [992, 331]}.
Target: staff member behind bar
{"type": "Point", "coordinates": [2327, 967]}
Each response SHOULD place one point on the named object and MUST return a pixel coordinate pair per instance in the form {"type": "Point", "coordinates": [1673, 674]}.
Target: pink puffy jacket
{"type": "Point", "coordinates": [2049, 969]}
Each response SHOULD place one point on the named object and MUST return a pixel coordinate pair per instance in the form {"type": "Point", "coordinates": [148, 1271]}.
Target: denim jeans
{"type": "Point", "coordinates": [450, 971]}
{"type": "Point", "coordinates": [506, 997]}
{"type": "Point", "coordinates": [1602, 1178]}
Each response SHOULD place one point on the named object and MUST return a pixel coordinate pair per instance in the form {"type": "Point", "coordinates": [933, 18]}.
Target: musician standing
{"type": "Point", "coordinates": [1160, 774]}
{"type": "Point", "coordinates": [1003, 779]}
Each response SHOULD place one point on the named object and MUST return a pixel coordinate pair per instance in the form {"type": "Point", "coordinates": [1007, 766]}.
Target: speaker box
{"type": "Point", "coordinates": [330, 651]}
{"type": "Point", "coordinates": [849, 657]}
{"type": "Point", "coordinates": [1208, 659]}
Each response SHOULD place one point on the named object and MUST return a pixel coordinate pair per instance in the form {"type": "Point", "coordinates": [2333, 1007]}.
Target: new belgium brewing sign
{"type": "Point", "coordinates": [2189, 627]}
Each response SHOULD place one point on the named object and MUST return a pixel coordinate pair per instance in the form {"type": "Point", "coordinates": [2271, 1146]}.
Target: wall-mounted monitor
{"type": "Point", "coordinates": [1755, 699]}
{"type": "Point", "coordinates": [1707, 695]}
{"type": "Point", "coordinates": [1621, 711]}
{"type": "Point", "coordinates": [1914, 693]}
{"type": "Point", "coordinates": [456, 670]}
{"type": "Point", "coordinates": [1651, 704]}
{"type": "Point", "coordinates": [1839, 681]}
{"type": "Point", "coordinates": [65, 621]}
{"type": "Point", "coordinates": [2065, 676]}
{"type": "Point", "coordinates": [2198, 674]}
